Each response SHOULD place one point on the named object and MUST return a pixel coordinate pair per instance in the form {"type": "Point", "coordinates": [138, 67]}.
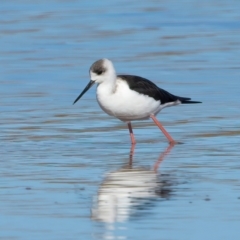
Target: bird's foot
{"type": "Point", "coordinates": [172, 143]}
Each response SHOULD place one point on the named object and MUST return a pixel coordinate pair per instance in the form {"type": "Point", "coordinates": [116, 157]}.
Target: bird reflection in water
{"type": "Point", "coordinates": [126, 192]}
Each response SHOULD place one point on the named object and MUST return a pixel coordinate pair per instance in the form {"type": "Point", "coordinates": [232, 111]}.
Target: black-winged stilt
{"type": "Point", "coordinates": [129, 97]}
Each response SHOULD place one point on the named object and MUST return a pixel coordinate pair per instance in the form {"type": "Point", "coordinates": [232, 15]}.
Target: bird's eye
{"type": "Point", "coordinates": [99, 72]}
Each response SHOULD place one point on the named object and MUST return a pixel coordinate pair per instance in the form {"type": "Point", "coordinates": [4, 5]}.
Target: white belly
{"type": "Point", "coordinates": [126, 104]}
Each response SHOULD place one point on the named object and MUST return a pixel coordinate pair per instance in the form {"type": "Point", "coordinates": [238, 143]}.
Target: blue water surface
{"type": "Point", "coordinates": [66, 170]}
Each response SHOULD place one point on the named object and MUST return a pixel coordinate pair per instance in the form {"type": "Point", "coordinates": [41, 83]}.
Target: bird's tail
{"type": "Point", "coordinates": [183, 100]}
{"type": "Point", "coordinates": [188, 101]}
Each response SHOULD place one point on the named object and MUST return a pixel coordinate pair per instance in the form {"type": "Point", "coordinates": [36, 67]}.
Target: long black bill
{"type": "Point", "coordinates": [84, 90]}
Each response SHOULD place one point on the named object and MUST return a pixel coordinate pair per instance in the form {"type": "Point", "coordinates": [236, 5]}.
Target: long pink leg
{"type": "Point", "coordinates": [167, 135]}
{"type": "Point", "coordinates": [131, 133]}
{"type": "Point", "coordinates": [131, 154]}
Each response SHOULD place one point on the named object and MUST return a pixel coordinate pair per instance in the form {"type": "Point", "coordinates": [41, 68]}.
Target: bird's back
{"type": "Point", "coordinates": [146, 87]}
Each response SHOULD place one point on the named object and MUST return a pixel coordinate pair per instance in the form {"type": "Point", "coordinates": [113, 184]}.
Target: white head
{"type": "Point", "coordinates": [100, 71]}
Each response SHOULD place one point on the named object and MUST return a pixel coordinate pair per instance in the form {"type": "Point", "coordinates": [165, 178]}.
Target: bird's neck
{"type": "Point", "coordinates": [107, 87]}
{"type": "Point", "coordinates": [110, 83]}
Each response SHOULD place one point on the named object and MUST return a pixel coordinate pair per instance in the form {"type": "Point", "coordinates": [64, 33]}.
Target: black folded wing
{"type": "Point", "coordinates": [146, 87]}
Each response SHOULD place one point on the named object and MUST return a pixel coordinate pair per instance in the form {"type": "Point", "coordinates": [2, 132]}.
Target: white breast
{"type": "Point", "coordinates": [125, 104]}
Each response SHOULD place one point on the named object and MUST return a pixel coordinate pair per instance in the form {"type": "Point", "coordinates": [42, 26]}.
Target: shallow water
{"type": "Point", "coordinates": [68, 171]}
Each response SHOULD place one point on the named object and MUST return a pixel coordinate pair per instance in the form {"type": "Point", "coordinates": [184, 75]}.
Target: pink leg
{"type": "Point", "coordinates": [131, 133]}
{"type": "Point", "coordinates": [167, 135]}
{"type": "Point", "coordinates": [131, 154]}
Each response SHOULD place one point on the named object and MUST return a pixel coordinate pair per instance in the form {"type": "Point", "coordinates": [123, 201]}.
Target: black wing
{"type": "Point", "coordinates": [146, 87]}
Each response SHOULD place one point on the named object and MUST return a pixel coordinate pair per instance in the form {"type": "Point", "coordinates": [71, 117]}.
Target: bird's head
{"type": "Point", "coordinates": [100, 71]}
